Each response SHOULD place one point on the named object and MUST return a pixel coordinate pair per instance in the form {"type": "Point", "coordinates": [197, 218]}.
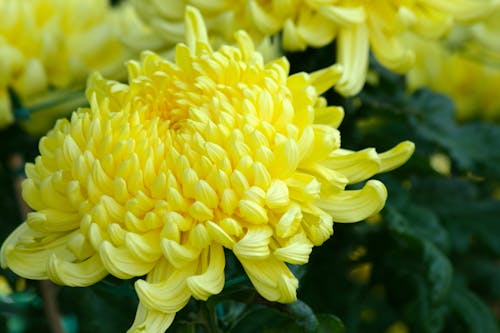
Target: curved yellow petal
{"type": "Point", "coordinates": [352, 52]}
{"type": "Point", "coordinates": [390, 52]}
{"type": "Point", "coordinates": [255, 244]}
{"type": "Point", "coordinates": [52, 220]}
{"type": "Point", "coordinates": [120, 262]}
{"type": "Point", "coordinates": [211, 281]}
{"type": "Point", "coordinates": [76, 274]}
{"type": "Point", "coordinates": [272, 279]}
{"type": "Point", "coordinates": [144, 246]}
{"type": "Point", "coordinates": [396, 156]}
{"type": "Point", "coordinates": [177, 254]}
{"type": "Point", "coordinates": [169, 292]}
{"type": "Point", "coordinates": [219, 235]}
{"type": "Point", "coordinates": [355, 166]}
{"type": "Point", "coordinates": [345, 17]}
{"type": "Point", "coordinates": [264, 21]}
{"type": "Point", "coordinates": [326, 78]}
{"type": "Point", "coordinates": [149, 321]}
{"type": "Point", "coordinates": [289, 222]}
{"type": "Point", "coordinates": [27, 252]}
{"type": "Point", "coordinates": [296, 251]}
{"type": "Point", "coordinates": [196, 31]}
{"type": "Point", "coordinates": [355, 205]}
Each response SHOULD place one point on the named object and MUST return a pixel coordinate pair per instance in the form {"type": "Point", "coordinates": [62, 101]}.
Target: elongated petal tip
{"type": "Point", "coordinates": [355, 205]}
{"type": "Point", "coordinates": [396, 156]}
{"type": "Point", "coordinates": [195, 28]}
{"type": "Point", "coordinates": [148, 321]}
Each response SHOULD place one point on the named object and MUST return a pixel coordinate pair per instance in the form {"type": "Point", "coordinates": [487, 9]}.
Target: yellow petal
{"type": "Point", "coordinates": [396, 156]}
{"type": "Point", "coordinates": [211, 281]}
{"type": "Point", "coordinates": [289, 222]}
{"type": "Point", "coordinates": [255, 244]}
{"type": "Point", "coordinates": [219, 235]}
{"type": "Point", "coordinates": [178, 255]}
{"type": "Point", "coordinates": [148, 320]}
{"type": "Point", "coordinates": [168, 293]}
{"type": "Point", "coordinates": [51, 220]}
{"type": "Point", "coordinates": [27, 252]}
{"type": "Point", "coordinates": [355, 166]}
{"type": "Point", "coordinates": [352, 53]}
{"type": "Point", "coordinates": [264, 21]}
{"type": "Point", "coordinates": [195, 28]}
{"type": "Point", "coordinates": [325, 78]}
{"type": "Point", "coordinates": [272, 279]}
{"type": "Point", "coordinates": [120, 262]}
{"type": "Point", "coordinates": [355, 205]}
{"type": "Point", "coordinates": [345, 17]}
{"type": "Point", "coordinates": [78, 274]}
{"type": "Point", "coordinates": [296, 251]}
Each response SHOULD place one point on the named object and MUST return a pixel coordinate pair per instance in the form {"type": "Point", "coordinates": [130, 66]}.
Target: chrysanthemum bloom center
{"type": "Point", "coordinates": [217, 150]}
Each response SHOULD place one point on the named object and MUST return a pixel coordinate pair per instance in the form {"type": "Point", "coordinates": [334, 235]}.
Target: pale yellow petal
{"type": "Point", "coordinates": [219, 235]}
{"type": "Point", "coordinates": [178, 255]}
{"type": "Point", "coordinates": [272, 279]}
{"type": "Point", "coordinates": [355, 166]}
{"type": "Point", "coordinates": [76, 274]}
{"type": "Point", "coordinates": [149, 320]}
{"type": "Point", "coordinates": [345, 17]}
{"type": "Point", "coordinates": [195, 28]}
{"type": "Point", "coordinates": [255, 244]}
{"type": "Point", "coordinates": [326, 78]}
{"type": "Point", "coordinates": [211, 281]}
{"type": "Point", "coordinates": [355, 205]}
{"type": "Point", "coordinates": [396, 156]}
{"type": "Point", "coordinates": [120, 262]}
{"type": "Point", "coordinates": [296, 251]}
{"type": "Point", "coordinates": [352, 53]}
{"type": "Point", "coordinates": [168, 293]}
{"type": "Point", "coordinates": [27, 252]}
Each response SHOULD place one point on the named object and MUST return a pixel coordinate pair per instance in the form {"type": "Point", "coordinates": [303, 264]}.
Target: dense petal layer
{"type": "Point", "coordinates": [215, 150]}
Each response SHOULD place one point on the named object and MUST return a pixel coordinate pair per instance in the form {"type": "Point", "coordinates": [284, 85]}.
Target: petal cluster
{"type": "Point", "coordinates": [464, 66]}
{"type": "Point", "coordinates": [358, 26]}
{"type": "Point", "coordinates": [214, 151]}
{"type": "Point", "coordinates": [53, 44]}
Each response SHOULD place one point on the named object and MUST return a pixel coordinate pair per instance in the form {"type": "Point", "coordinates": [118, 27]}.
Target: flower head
{"type": "Point", "coordinates": [465, 67]}
{"type": "Point", "coordinates": [48, 44]}
{"type": "Point", "coordinates": [215, 150]}
{"type": "Point", "coordinates": [357, 25]}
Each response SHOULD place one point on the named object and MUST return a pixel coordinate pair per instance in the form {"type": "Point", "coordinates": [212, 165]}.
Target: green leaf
{"type": "Point", "coordinates": [470, 310]}
{"type": "Point", "coordinates": [475, 146]}
{"type": "Point", "coordinates": [328, 323]}
{"type": "Point", "coordinates": [437, 267]}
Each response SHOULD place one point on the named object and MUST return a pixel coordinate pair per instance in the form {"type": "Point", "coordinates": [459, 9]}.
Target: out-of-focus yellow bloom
{"type": "Point", "coordinates": [215, 150]}
{"type": "Point", "coordinates": [357, 25]}
{"type": "Point", "coordinates": [398, 327]}
{"type": "Point", "coordinates": [480, 41]}
{"type": "Point", "coordinates": [441, 163]}
{"type": "Point", "coordinates": [5, 288]}
{"type": "Point", "coordinates": [361, 273]}
{"type": "Point", "coordinates": [54, 44]}
{"type": "Point", "coordinates": [467, 75]}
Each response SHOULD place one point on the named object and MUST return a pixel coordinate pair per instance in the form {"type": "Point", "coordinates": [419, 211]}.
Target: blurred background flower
{"type": "Point", "coordinates": [357, 26]}
{"type": "Point", "coordinates": [49, 47]}
{"type": "Point", "coordinates": [465, 66]}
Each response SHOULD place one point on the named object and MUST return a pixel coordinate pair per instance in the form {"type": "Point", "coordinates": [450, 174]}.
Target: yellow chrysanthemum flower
{"type": "Point", "coordinates": [357, 25]}
{"type": "Point", "coordinates": [471, 81]}
{"type": "Point", "coordinates": [48, 44]}
{"type": "Point", "coordinates": [215, 150]}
